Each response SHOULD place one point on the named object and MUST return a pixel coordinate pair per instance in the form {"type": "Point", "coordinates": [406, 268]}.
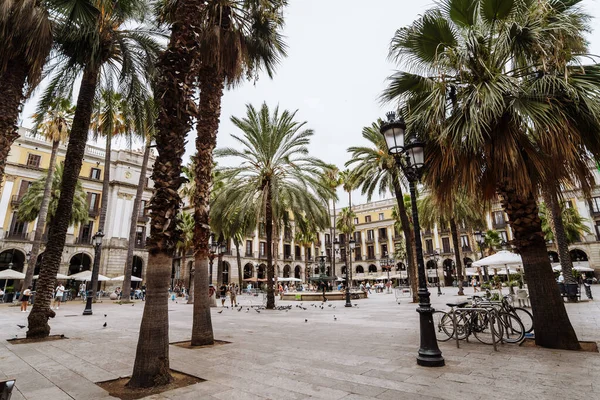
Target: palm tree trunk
{"type": "Point", "coordinates": [458, 255]}
{"type": "Point", "coordinates": [306, 261]}
{"type": "Point", "coordinates": [409, 237]}
{"type": "Point", "coordinates": [134, 216]}
{"type": "Point", "coordinates": [553, 328]}
{"type": "Point", "coordinates": [220, 264]}
{"type": "Point", "coordinates": [174, 94]}
{"type": "Point", "coordinates": [191, 292]}
{"type": "Point", "coordinates": [12, 83]}
{"type": "Point", "coordinates": [269, 231]}
{"type": "Point", "coordinates": [102, 221]}
{"type": "Point", "coordinates": [41, 223]}
{"type": "Point", "coordinates": [558, 227]}
{"type": "Point", "coordinates": [349, 250]}
{"type": "Point", "coordinates": [41, 312]}
{"type": "Point", "coordinates": [238, 257]}
{"type": "Point", "coordinates": [209, 112]}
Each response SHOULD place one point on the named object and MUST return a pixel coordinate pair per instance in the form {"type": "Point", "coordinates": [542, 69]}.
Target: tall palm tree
{"type": "Point", "coordinates": [332, 179]}
{"type": "Point", "coordinates": [32, 202]}
{"type": "Point", "coordinates": [105, 47]}
{"type": "Point", "coordinates": [145, 124]}
{"type": "Point", "coordinates": [112, 116]}
{"type": "Point", "coordinates": [174, 94]}
{"type": "Point", "coordinates": [238, 39]}
{"type": "Point", "coordinates": [374, 169]}
{"type": "Point", "coordinates": [26, 37]}
{"type": "Point", "coordinates": [573, 222]}
{"type": "Point", "coordinates": [462, 211]}
{"type": "Point", "coordinates": [54, 126]}
{"type": "Point", "coordinates": [506, 121]}
{"type": "Point", "coordinates": [306, 235]}
{"type": "Point", "coordinates": [345, 224]}
{"type": "Point", "coordinates": [184, 245]}
{"type": "Point", "coordinates": [276, 176]}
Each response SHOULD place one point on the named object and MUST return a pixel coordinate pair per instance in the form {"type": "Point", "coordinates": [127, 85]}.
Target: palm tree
{"type": "Point", "coordinates": [112, 116]}
{"type": "Point", "coordinates": [106, 47]}
{"type": "Point", "coordinates": [332, 179]}
{"type": "Point", "coordinates": [345, 224]}
{"type": "Point", "coordinates": [32, 202]}
{"type": "Point", "coordinates": [506, 121]}
{"type": "Point", "coordinates": [174, 94]}
{"type": "Point", "coordinates": [145, 124]}
{"type": "Point", "coordinates": [184, 245]}
{"type": "Point", "coordinates": [461, 211]}
{"type": "Point", "coordinates": [276, 175]}
{"type": "Point", "coordinates": [237, 39]}
{"type": "Point", "coordinates": [491, 241]}
{"type": "Point", "coordinates": [54, 126]}
{"type": "Point", "coordinates": [306, 235]}
{"type": "Point", "coordinates": [26, 37]}
{"type": "Point", "coordinates": [374, 169]}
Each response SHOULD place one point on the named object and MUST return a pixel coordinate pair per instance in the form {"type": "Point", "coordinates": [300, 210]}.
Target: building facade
{"type": "Point", "coordinates": [28, 161]}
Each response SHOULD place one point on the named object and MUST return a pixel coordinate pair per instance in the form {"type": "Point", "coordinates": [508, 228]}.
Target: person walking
{"type": "Point", "coordinates": [25, 299]}
{"type": "Point", "coordinates": [58, 295]}
{"type": "Point", "coordinates": [232, 295]}
{"type": "Point", "coordinates": [474, 284]}
{"type": "Point", "coordinates": [223, 293]}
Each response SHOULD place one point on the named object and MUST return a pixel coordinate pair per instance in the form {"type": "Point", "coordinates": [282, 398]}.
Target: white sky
{"type": "Point", "coordinates": [335, 70]}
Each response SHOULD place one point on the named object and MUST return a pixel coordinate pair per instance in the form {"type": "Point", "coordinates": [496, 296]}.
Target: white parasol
{"type": "Point", "coordinates": [87, 276]}
{"type": "Point", "coordinates": [58, 276]}
{"type": "Point", "coordinates": [122, 278]}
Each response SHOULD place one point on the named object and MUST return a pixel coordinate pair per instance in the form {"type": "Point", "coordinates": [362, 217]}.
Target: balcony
{"type": "Point", "coordinates": [398, 238]}
{"type": "Point", "coordinates": [499, 225]}
{"type": "Point", "coordinates": [298, 257]}
{"type": "Point", "coordinates": [84, 240]}
{"type": "Point", "coordinates": [16, 236]}
{"type": "Point", "coordinates": [287, 257]}
{"type": "Point", "coordinates": [370, 240]}
{"type": "Point", "coordinates": [383, 238]}
{"type": "Point", "coordinates": [248, 254]}
{"type": "Point", "coordinates": [466, 249]}
{"type": "Point", "coordinates": [317, 243]}
{"type": "Point", "coordinates": [370, 257]}
{"type": "Point", "coordinates": [140, 244]}
{"type": "Point", "coordinates": [427, 232]}
{"type": "Point", "coordinates": [358, 258]}
{"type": "Point", "coordinates": [93, 212]}
{"type": "Point", "coordinates": [447, 251]}
{"type": "Point", "coordinates": [287, 238]}
{"type": "Point", "coordinates": [15, 200]}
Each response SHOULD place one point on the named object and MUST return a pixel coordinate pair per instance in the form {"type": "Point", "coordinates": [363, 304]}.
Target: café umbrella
{"type": "Point", "coordinates": [10, 274]}
{"type": "Point", "coordinates": [87, 276]}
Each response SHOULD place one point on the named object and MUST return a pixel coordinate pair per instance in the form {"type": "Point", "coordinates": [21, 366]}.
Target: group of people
{"type": "Point", "coordinates": [232, 289]}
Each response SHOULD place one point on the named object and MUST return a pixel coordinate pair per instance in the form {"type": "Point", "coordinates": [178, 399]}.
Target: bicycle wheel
{"type": "Point", "coordinates": [444, 329]}
{"type": "Point", "coordinates": [492, 331]}
{"type": "Point", "coordinates": [526, 318]}
{"type": "Point", "coordinates": [513, 329]}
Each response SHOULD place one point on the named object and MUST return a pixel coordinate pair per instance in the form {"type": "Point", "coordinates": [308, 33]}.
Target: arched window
{"type": "Point", "coordinates": [248, 271]}
{"type": "Point", "coordinates": [400, 267]}
{"type": "Point", "coordinates": [372, 268]}
{"type": "Point", "coordinates": [578, 255]}
{"type": "Point", "coordinates": [298, 272]}
{"type": "Point", "coordinates": [287, 271]}
{"type": "Point", "coordinates": [360, 269]}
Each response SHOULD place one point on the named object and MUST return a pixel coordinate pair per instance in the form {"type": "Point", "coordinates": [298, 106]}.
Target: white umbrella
{"type": "Point", "coordinates": [58, 276]}
{"type": "Point", "coordinates": [382, 278]}
{"type": "Point", "coordinates": [501, 258]}
{"type": "Point", "coordinates": [580, 268]}
{"type": "Point", "coordinates": [122, 278]}
{"type": "Point", "coordinates": [87, 276]}
{"type": "Point", "coordinates": [289, 280]}
{"type": "Point", "coordinates": [401, 275]}
{"type": "Point", "coordinates": [11, 274]}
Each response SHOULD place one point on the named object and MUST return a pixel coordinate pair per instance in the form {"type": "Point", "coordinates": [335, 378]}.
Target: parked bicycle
{"type": "Point", "coordinates": [461, 321]}
{"type": "Point", "coordinates": [504, 305]}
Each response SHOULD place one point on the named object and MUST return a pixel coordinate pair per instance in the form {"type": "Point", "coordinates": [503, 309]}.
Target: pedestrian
{"type": "Point", "coordinates": [368, 287]}
{"type": "Point", "coordinates": [474, 284]}
{"type": "Point", "coordinates": [223, 293]}
{"type": "Point", "coordinates": [561, 278]}
{"type": "Point", "coordinates": [25, 299]}
{"type": "Point", "coordinates": [143, 292]}
{"type": "Point", "coordinates": [58, 294]}
{"type": "Point", "coordinates": [82, 290]}
{"type": "Point", "coordinates": [232, 295]}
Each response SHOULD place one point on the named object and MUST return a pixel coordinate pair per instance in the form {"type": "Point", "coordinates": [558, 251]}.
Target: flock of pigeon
{"type": "Point", "coordinates": [283, 308]}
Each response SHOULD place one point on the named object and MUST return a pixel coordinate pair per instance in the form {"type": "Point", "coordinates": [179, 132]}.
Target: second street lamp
{"type": "Point", "coordinates": [480, 239]}
{"type": "Point", "coordinates": [410, 157]}
{"type": "Point", "coordinates": [97, 242]}
{"type": "Point", "coordinates": [351, 244]}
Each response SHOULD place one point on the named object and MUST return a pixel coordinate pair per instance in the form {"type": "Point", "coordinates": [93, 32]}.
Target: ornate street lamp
{"type": "Point", "coordinates": [97, 243]}
{"type": "Point", "coordinates": [215, 249]}
{"type": "Point", "coordinates": [436, 258]}
{"type": "Point", "coordinates": [387, 264]}
{"type": "Point", "coordinates": [410, 157]}
{"type": "Point", "coordinates": [480, 240]}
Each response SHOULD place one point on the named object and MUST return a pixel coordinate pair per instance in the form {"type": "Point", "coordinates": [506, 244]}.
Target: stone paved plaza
{"type": "Point", "coordinates": [368, 352]}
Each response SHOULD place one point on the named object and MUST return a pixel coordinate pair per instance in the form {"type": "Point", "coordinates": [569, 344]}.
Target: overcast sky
{"type": "Point", "coordinates": [335, 70]}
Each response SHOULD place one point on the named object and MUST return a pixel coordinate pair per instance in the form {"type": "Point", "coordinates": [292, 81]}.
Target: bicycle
{"type": "Point", "coordinates": [522, 314]}
{"type": "Point", "coordinates": [461, 321]}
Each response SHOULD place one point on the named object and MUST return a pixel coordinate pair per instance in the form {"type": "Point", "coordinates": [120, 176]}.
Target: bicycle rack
{"type": "Point", "coordinates": [470, 309]}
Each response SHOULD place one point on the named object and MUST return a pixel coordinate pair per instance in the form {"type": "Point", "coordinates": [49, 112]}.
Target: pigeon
{"type": "Point", "coordinates": [305, 320]}
{"type": "Point", "coordinates": [333, 306]}
{"type": "Point", "coordinates": [240, 309]}
{"type": "Point", "coordinates": [329, 305]}
{"type": "Point", "coordinates": [247, 310]}
{"type": "Point", "coordinates": [104, 326]}
{"type": "Point", "coordinates": [132, 305]}
{"type": "Point", "coordinates": [104, 315]}
{"type": "Point", "coordinates": [220, 311]}
{"type": "Point", "coordinates": [21, 326]}
{"type": "Point", "coordinates": [334, 318]}
{"type": "Point", "coordinates": [257, 311]}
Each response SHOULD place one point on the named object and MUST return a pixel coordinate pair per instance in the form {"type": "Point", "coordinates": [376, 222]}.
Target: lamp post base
{"type": "Point", "coordinates": [88, 306]}
{"type": "Point", "coordinates": [429, 352]}
{"type": "Point", "coordinates": [348, 303]}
